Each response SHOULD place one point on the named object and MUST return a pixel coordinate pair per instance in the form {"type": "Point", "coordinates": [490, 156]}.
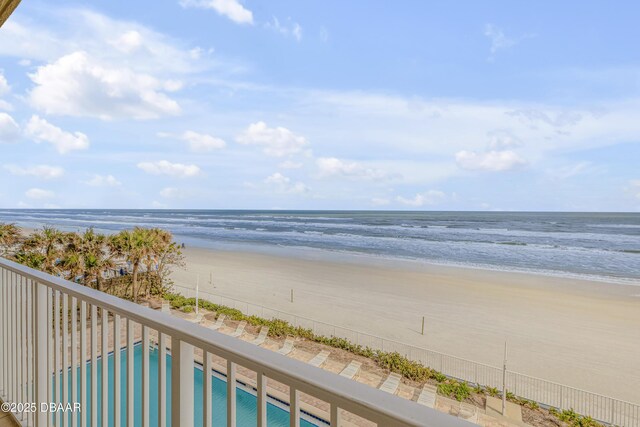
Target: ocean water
{"type": "Point", "coordinates": [601, 246]}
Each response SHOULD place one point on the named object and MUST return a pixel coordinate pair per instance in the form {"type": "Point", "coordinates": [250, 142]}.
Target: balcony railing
{"type": "Point", "coordinates": [50, 327]}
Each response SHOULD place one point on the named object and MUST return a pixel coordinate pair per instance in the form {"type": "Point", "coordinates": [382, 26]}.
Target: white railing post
{"type": "Point", "coordinates": [207, 415]}
{"type": "Point", "coordinates": [262, 399]}
{"type": "Point", "coordinates": [162, 380]}
{"type": "Point", "coordinates": [294, 407]}
{"type": "Point", "coordinates": [335, 415]}
{"type": "Point", "coordinates": [40, 351]}
{"type": "Point", "coordinates": [231, 394]}
{"type": "Point", "coordinates": [182, 402]}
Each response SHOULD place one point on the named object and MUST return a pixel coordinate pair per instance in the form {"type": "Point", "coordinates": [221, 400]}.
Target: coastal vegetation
{"type": "Point", "coordinates": [9, 236]}
{"type": "Point", "coordinates": [130, 264]}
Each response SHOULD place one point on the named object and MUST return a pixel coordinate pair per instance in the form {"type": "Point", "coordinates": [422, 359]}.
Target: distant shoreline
{"type": "Point", "coordinates": [388, 260]}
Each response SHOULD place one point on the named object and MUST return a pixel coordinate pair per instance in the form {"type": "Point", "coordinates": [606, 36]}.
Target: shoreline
{"type": "Point", "coordinates": [317, 254]}
{"type": "Point", "coordinates": [358, 258]}
{"type": "Point", "coordinates": [309, 252]}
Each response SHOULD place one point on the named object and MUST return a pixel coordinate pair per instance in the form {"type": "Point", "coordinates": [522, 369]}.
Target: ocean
{"type": "Point", "coordinates": [600, 246]}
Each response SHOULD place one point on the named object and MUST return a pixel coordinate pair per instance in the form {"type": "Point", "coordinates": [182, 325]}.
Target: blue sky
{"type": "Point", "coordinates": [321, 105]}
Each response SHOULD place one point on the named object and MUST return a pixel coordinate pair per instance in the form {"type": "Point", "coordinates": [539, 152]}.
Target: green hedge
{"type": "Point", "coordinates": [395, 362]}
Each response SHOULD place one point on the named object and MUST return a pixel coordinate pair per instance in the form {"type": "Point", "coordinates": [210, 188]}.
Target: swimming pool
{"type": "Point", "coordinates": [246, 402]}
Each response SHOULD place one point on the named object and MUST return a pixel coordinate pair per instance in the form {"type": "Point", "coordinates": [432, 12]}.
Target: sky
{"type": "Point", "coordinates": [285, 104]}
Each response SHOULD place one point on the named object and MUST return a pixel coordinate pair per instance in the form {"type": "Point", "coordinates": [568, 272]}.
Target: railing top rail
{"type": "Point", "coordinates": [350, 395]}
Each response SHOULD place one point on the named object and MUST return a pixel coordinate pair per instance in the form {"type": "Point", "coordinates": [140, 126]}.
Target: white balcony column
{"type": "Point", "coordinates": [182, 399]}
{"type": "Point", "coordinates": [41, 354]}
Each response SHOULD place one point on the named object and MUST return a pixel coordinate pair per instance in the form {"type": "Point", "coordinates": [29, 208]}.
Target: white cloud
{"type": "Point", "coordinates": [297, 31]}
{"type": "Point", "coordinates": [289, 164]}
{"type": "Point", "coordinates": [277, 142]}
{"type": "Point", "coordinates": [492, 161]}
{"type": "Point", "coordinates": [40, 171]}
{"type": "Point", "coordinates": [4, 85]}
{"type": "Point", "coordinates": [277, 178]}
{"type": "Point", "coordinates": [103, 181]}
{"type": "Point", "coordinates": [198, 142]}
{"type": "Point", "coordinates": [9, 130]}
{"type": "Point", "coordinates": [41, 130]}
{"type": "Point", "coordinates": [502, 139]}
{"type": "Point", "coordinates": [498, 38]}
{"type": "Point", "coordinates": [416, 127]}
{"type": "Point", "coordinates": [284, 184]}
{"type": "Point", "coordinates": [232, 9]}
{"type": "Point", "coordinates": [164, 167]}
{"type": "Point", "coordinates": [431, 197]}
{"type": "Point", "coordinates": [4, 90]}
{"type": "Point", "coordinates": [129, 42]}
{"type": "Point", "coordinates": [77, 85]}
{"type": "Point", "coordinates": [324, 34]}
{"type": "Point", "coordinates": [569, 171]}
{"type": "Point", "coordinates": [39, 194]}
{"type": "Point", "coordinates": [293, 29]}
{"type": "Point", "coordinates": [157, 205]}
{"type": "Point", "coordinates": [331, 166]}
{"type": "Point", "coordinates": [499, 41]}
{"type": "Point", "coordinates": [52, 33]}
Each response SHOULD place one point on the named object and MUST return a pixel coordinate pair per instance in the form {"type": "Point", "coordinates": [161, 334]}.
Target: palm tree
{"type": "Point", "coordinates": [46, 242]}
{"type": "Point", "coordinates": [87, 255]}
{"type": "Point", "coordinates": [135, 246]}
{"type": "Point", "coordinates": [9, 236]}
{"type": "Point", "coordinates": [159, 241]}
{"type": "Point", "coordinates": [33, 260]}
{"type": "Point", "coordinates": [97, 258]}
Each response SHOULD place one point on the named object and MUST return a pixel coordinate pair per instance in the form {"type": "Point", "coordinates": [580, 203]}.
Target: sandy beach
{"type": "Point", "coordinates": [579, 333]}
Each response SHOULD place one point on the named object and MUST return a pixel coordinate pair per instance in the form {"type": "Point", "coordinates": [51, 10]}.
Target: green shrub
{"type": "Point", "coordinates": [187, 309]}
{"type": "Point", "coordinates": [457, 390]}
{"type": "Point", "coordinates": [439, 377]}
{"type": "Point", "coordinates": [533, 405]}
{"type": "Point", "coordinates": [493, 392]}
{"type": "Point", "coordinates": [395, 362]}
{"type": "Point", "coordinates": [568, 416]}
{"type": "Point", "coordinates": [574, 419]}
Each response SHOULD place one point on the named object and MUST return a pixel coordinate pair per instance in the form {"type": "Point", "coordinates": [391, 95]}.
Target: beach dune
{"type": "Point", "coordinates": [575, 332]}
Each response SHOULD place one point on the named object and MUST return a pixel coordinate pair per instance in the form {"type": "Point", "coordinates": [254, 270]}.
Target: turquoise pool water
{"type": "Point", "coordinates": [246, 403]}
